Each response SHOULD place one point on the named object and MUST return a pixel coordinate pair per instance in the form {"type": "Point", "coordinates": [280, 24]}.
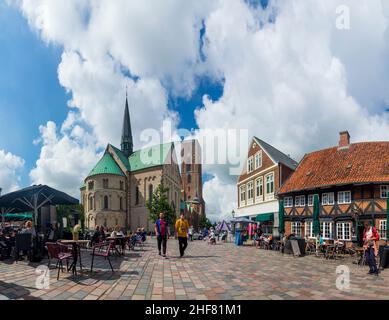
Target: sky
{"type": "Point", "coordinates": [293, 73]}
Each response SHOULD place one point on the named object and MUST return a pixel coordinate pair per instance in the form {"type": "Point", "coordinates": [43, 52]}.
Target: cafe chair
{"type": "Point", "coordinates": [103, 250]}
{"type": "Point", "coordinates": [59, 252]}
{"type": "Point", "coordinates": [23, 242]}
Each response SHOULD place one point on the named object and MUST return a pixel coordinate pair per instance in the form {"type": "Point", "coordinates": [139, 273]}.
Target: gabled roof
{"type": "Point", "coordinates": [366, 162]}
{"type": "Point", "coordinates": [150, 157]}
{"type": "Point", "coordinates": [276, 155]}
{"type": "Point", "coordinates": [106, 165]}
{"type": "Point", "coordinates": [122, 157]}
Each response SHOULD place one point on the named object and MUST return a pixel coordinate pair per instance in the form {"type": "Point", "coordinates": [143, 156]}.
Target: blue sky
{"type": "Point", "coordinates": [30, 93]}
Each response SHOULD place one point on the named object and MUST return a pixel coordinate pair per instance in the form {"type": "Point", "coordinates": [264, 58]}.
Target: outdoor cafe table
{"type": "Point", "coordinates": [119, 241]}
{"type": "Point", "coordinates": [76, 244]}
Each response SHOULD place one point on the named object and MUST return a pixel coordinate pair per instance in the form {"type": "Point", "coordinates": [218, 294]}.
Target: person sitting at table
{"type": "Point", "coordinates": [102, 233]}
{"type": "Point", "coordinates": [28, 228]}
{"type": "Point", "coordinates": [96, 236]}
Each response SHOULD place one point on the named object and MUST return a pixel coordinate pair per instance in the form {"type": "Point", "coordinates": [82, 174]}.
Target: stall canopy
{"type": "Point", "coordinates": [242, 220]}
{"type": "Point", "coordinates": [223, 226]}
{"type": "Point", "coordinates": [32, 199]}
{"type": "Point", "coordinates": [265, 217]}
{"type": "Point", "coordinates": [18, 216]}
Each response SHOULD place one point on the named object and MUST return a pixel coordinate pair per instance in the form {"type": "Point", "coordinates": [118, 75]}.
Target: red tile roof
{"type": "Point", "coordinates": [366, 162]}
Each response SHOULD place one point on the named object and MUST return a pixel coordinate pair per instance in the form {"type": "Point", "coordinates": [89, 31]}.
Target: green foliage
{"type": "Point", "coordinates": [160, 203]}
{"type": "Point", "coordinates": [205, 222]}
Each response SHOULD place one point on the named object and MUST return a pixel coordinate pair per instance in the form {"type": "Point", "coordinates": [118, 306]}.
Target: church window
{"type": "Point", "coordinates": [105, 202]}
{"type": "Point", "coordinates": [150, 192]}
{"type": "Point", "coordinates": [121, 203]}
{"type": "Point", "coordinates": [121, 185]}
{"type": "Point", "coordinates": [90, 185]}
{"type": "Point", "coordinates": [137, 195]}
{"type": "Point", "coordinates": [105, 183]}
{"type": "Point", "coordinates": [189, 178]}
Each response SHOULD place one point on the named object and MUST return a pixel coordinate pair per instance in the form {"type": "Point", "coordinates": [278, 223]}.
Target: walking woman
{"type": "Point", "coordinates": [370, 238]}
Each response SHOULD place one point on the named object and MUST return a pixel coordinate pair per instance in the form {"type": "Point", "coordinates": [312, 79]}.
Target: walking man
{"type": "Point", "coordinates": [370, 238]}
{"type": "Point", "coordinates": [182, 227]}
{"type": "Point", "coordinates": [162, 233]}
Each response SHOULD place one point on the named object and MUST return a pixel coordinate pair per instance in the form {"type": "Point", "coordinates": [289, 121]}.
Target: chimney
{"type": "Point", "coordinates": [344, 140]}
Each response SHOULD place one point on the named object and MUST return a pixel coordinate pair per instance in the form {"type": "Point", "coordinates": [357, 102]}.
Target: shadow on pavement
{"type": "Point", "coordinates": [14, 291]}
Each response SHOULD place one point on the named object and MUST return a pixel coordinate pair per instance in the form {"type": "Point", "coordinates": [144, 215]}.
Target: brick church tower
{"type": "Point", "coordinates": [192, 182]}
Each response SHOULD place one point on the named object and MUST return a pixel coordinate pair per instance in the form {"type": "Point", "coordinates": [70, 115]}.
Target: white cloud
{"type": "Point", "coordinates": [219, 198]}
{"type": "Point", "coordinates": [65, 159]}
{"type": "Point", "coordinates": [10, 171]}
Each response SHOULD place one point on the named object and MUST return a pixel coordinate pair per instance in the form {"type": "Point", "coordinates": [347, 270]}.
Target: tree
{"type": "Point", "coordinates": [205, 222]}
{"type": "Point", "coordinates": [160, 203]}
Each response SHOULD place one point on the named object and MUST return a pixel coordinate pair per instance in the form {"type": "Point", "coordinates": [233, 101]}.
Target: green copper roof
{"type": "Point", "coordinates": [106, 165]}
{"type": "Point", "coordinates": [149, 157]}
{"type": "Point", "coordinates": [121, 156]}
{"type": "Point", "coordinates": [83, 185]}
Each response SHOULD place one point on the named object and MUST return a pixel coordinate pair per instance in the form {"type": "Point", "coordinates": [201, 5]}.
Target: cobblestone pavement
{"type": "Point", "coordinates": [224, 271]}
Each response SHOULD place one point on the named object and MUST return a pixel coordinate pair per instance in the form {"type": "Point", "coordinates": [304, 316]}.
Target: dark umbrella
{"type": "Point", "coordinates": [281, 220]}
{"type": "Point", "coordinates": [316, 214]}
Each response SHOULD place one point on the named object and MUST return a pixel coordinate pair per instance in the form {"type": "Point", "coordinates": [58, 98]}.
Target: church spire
{"type": "Point", "coordinates": [127, 144]}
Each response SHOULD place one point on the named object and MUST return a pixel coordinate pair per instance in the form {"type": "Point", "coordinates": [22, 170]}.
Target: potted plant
{"type": "Point", "coordinates": [76, 232]}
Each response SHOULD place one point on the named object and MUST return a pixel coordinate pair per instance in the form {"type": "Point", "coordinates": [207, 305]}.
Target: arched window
{"type": "Point", "coordinates": [150, 192]}
{"type": "Point", "coordinates": [90, 205]}
{"type": "Point", "coordinates": [136, 195]}
{"type": "Point", "coordinates": [189, 178]}
{"type": "Point", "coordinates": [105, 202]}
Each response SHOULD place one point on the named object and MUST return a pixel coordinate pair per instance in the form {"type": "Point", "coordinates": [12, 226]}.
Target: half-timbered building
{"type": "Point", "coordinates": [352, 182]}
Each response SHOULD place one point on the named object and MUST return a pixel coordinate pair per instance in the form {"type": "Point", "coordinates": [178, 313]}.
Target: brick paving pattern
{"type": "Point", "coordinates": [224, 272]}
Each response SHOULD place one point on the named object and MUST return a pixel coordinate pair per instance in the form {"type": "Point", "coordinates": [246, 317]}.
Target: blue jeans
{"type": "Point", "coordinates": [370, 259]}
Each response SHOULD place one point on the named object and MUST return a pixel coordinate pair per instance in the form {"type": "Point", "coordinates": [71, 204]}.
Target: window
{"type": "Point", "coordinates": [91, 185]}
{"type": "Point", "coordinates": [328, 198]}
{"type": "Point", "coordinates": [270, 183]}
{"type": "Point", "coordinates": [250, 165]}
{"type": "Point", "coordinates": [326, 229]}
{"type": "Point", "coordinates": [344, 197]}
{"type": "Point", "coordinates": [300, 201]}
{"type": "Point", "coordinates": [90, 203]}
{"type": "Point", "coordinates": [105, 202]}
{"type": "Point", "coordinates": [310, 199]}
{"type": "Point", "coordinates": [105, 183]}
{"type": "Point", "coordinates": [309, 229]}
{"type": "Point", "coordinates": [121, 203]}
{"type": "Point", "coordinates": [296, 228]}
{"type": "Point", "coordinates": [258, 160]}
{"type": "Point", "coordinates": [259, 190]}
{"type": "Point", "coordinates": [242, 190]}
{"type": "Point", "coordinates": [382, 230]}
{"type": "Point", "coordinates": [343, 231]}
{"type": "Point", "coordinates": [137, 195]}
{"type": "Point", "coordinates": [288, 202]}
{"type": "Point", "coordinates": [189, 178]}
{"type": "Point", "coordinates": [121, 185]}
{"type": "Point", "coordinates": [384, 192]}
{"type": "Point", "coordinates": [150, 192]}
{"type": "Point", "coordinates": [188, 168]}
{"type": "Point", "coordinates": [250, 192]}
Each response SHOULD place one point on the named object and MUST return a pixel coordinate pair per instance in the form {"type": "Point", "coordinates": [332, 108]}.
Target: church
{"type": "Point", "coordinates": [117, 189]}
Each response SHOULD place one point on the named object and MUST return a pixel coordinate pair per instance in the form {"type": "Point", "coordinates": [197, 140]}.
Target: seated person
{"type": "Point", "coordinates": [96, 236]}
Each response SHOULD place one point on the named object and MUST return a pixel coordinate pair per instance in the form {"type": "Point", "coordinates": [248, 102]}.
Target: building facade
{"type": "Point", "coordinates": [116, 191]}
{"type": "Point", "coordinates": [352, 183]}
{"type": "Point", "coordinates": [266, 170]}
{"type": "Point", "coordinates": [193, 204]}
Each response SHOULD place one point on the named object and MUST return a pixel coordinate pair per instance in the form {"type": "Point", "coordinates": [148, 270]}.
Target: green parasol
{"type": "Point", "coordinates": [281, 222]}
{"type": "Point", "coordinates": [316, 214]}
